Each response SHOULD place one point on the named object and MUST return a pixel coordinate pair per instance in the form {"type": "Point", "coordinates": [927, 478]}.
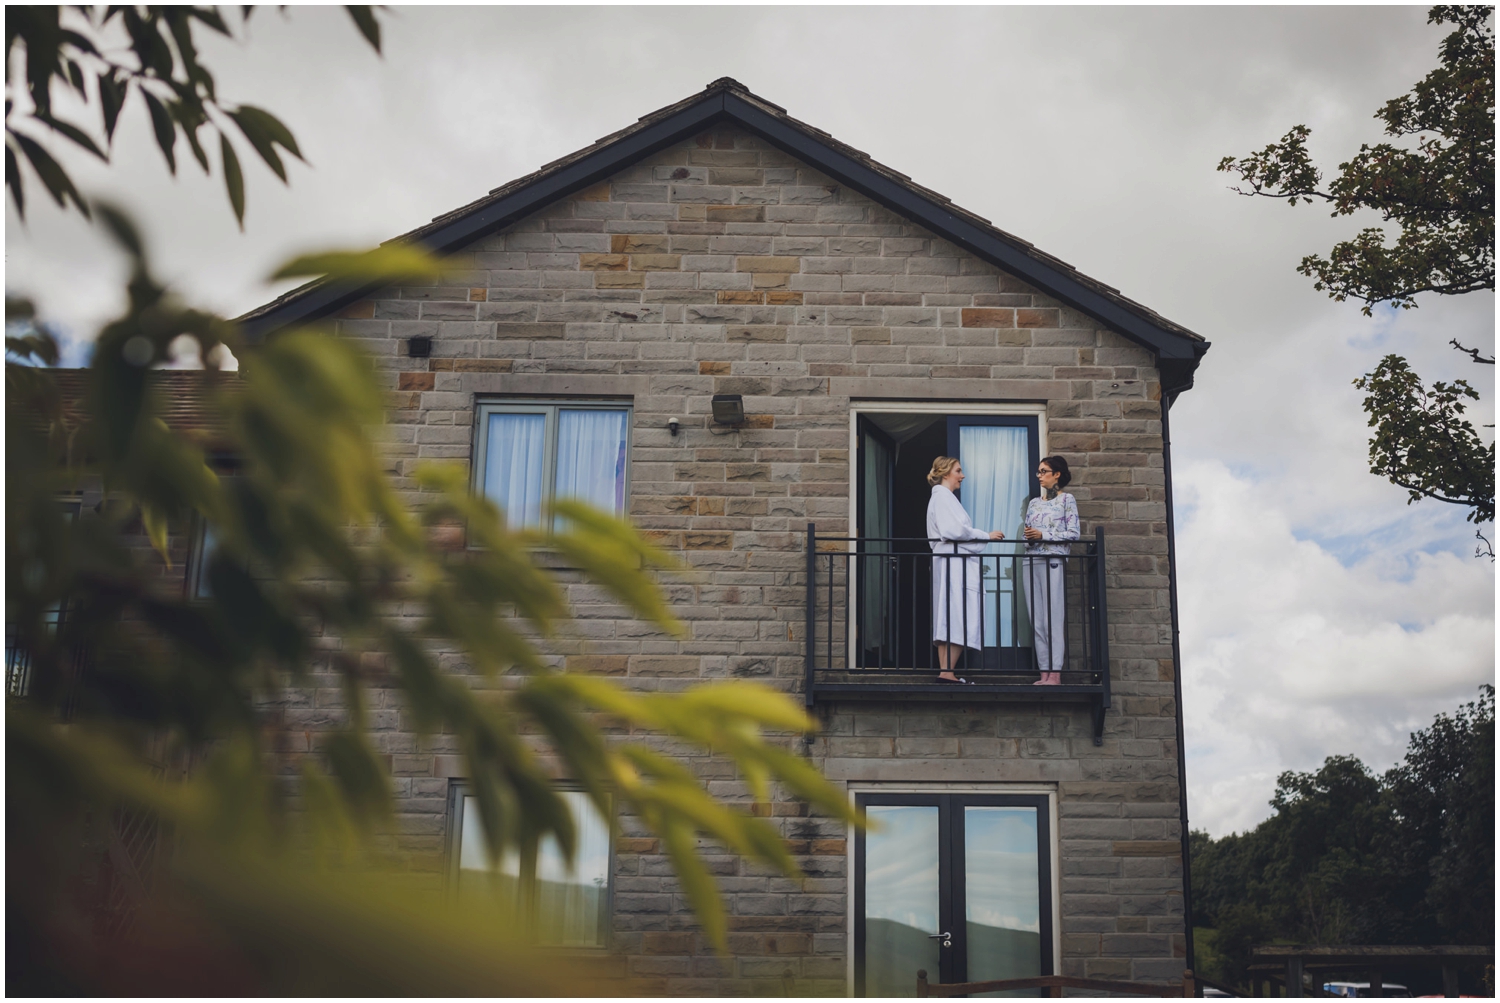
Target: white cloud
{"type": "Point", "coordinates": [1290, 655]}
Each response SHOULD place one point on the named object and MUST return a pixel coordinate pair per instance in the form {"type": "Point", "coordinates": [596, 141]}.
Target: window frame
{"type": "Point", "coordinates": [17, 659]}
{"type": "Point", "coordinates": [197, 562]}
{"type": "Point", "coordinates": [460, 788]}
{"type": "Point", "coordinates": [550, 407]}
{"type": "Point", "coordinates": [226, 466]}
{"type": "Point", "coordinates": [950, 804]}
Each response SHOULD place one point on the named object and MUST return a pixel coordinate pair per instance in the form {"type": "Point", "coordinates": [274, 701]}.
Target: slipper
{"type": "Point", "coordinates": [955, 682]}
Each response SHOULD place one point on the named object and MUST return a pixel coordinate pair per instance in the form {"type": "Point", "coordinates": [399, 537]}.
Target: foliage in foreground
{"type": "Point", "coordinates": [103, 56]}
{"type": "Point", "coordinates": [1355, 858]}
{"type": "Point", "coordinates": [144, 701]}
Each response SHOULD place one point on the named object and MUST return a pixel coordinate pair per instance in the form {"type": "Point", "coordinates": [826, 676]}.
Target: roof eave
{"type": "Point", "coordinates": [1177, 354]}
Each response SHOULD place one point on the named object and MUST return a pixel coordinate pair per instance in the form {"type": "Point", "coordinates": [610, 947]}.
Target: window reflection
{"type": "Point", "coordinates": [1002, 894]}
{"type": "Point", "coordinates": [901, 898]}
{"type": "Point", "coordinates": [571, 903]}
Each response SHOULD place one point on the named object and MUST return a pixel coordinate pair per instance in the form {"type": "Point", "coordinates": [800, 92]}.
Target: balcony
{"type": "Point", "coordinates": [869, 623]}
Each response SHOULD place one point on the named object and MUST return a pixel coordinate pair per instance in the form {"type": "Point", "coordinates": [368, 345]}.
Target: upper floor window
{"type": "Point", "coordinates": [570, 905]}
{"type": "Point", "coordinates": [529, 454]}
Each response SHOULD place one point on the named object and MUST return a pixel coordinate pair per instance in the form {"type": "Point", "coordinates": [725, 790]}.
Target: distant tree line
{"type": "Point", "coordinates": [1351, 857]}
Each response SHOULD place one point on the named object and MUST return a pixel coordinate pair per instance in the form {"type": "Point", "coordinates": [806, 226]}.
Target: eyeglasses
{"type": "Point", "coordinates": [1042, 470]}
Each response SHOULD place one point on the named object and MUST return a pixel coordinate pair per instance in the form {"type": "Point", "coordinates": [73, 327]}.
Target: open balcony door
{"type": "Point", "coordinates": [999, 454]}
{"type": "Point", "coordinates": [877, 585]}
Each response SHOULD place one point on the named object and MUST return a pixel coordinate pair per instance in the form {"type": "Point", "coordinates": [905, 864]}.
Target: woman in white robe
{"type": "Point", "coordinates": [957, 622]}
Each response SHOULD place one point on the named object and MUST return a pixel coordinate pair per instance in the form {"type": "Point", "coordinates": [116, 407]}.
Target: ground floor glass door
{"type": "Point", "coordinates": [956, 884]}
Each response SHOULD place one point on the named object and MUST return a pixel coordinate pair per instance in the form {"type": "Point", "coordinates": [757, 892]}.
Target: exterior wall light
{"type": "Point", "coordinates": [729, 409]}
{"type": "Point", "coordinates": [672, 425]}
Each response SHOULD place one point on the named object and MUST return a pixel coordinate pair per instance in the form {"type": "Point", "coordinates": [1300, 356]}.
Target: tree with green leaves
{"type": "Point", "coordinates": [1350, 857]}
{"type": "Point", "coordinates": [145, 704]}
{"type": "Point", "coordinates": [78, 48]}
{"type": "Point", "coordinates": [1423, 443]}
{"type": "Point", "coordinates": [1435, 181]}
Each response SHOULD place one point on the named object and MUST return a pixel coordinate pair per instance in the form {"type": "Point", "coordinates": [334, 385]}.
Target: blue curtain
{"type": "Point", "coordinates": [995, 459]}
{"type": "Point", "coordinates": [513, 466]}
{"type": "Point", "coordinates": [591, 457]}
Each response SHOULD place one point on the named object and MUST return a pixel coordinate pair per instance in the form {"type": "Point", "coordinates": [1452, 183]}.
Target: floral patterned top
{"type": "Point", "coordinates": [1057, 519]}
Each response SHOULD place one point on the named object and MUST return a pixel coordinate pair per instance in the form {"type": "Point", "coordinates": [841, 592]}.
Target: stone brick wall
{"type": "Point", "coordinates": [724, 266]}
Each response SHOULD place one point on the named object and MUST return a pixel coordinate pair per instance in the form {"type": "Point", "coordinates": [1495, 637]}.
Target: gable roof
{"type": "Point", "coordinates": [726, 100]}
{"type": "Point", "coordinates": [185, 400]}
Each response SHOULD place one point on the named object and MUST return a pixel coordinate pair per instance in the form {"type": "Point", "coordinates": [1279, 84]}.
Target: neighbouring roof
{"type": "Point", "coordinates": [726, 100]}
{"type": "Point", "coordinates": [185, 399]}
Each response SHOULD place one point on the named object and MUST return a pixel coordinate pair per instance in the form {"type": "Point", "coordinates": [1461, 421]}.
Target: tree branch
{"type": "Point", "coordinates": [1473, 353]}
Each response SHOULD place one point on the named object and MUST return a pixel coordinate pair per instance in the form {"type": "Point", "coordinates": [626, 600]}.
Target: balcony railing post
{"type": "Point", "coordinates": [1102, 614]}
{"type": "Point", "coordinates": [812, 598]}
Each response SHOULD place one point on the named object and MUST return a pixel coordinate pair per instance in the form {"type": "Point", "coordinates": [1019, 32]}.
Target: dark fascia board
{"type": "Point", "coordinates": [1177, 353]}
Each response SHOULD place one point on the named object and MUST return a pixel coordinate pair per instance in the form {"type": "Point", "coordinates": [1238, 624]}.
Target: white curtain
{"type": "Point", "coordinates": [995, 459]}
{"type": "Point", "coordinates": [591, 457]}
{"type": "Point", "coordinates": [513, 466]}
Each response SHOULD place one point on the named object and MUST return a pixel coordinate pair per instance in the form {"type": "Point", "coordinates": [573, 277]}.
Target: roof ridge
{"type": "Point", "coordinates": [671, 123]}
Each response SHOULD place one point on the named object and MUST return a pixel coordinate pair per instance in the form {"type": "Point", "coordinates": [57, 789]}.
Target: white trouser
{"type": "Point", "coordinates": [1046, 596]}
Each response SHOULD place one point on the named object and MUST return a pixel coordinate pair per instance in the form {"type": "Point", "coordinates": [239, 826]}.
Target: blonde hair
{"type": "Point", "coordinates": [941, 467]}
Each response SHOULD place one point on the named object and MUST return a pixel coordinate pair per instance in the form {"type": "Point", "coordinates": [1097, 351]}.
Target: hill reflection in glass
{"type": "Point", "coordinates": [901, 898]}
{"type": "Point", "coordinates": [1001, 894]}
{"type": "Point", "coordinates": [570, 904]}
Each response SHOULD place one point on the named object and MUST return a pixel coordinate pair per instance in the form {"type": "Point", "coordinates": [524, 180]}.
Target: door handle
{"type": "Point", "coordinates": [946, 938]}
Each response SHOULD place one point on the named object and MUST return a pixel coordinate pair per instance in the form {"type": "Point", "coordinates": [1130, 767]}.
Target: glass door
{"type": "Point", "coordinates": [958, 885]}
{"type": "Point", "coordinates": [999, 454]}
{"type": "Point", "coordinates": [875, 569]}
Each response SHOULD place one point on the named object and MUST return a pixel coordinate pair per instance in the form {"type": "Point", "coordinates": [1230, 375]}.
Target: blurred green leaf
{"type": "Point", "coordinates": [364, 20]}
{"type": "Point", "coordinates": [53, 177]}
{"type": "Point", "coordinates": [234, 180]}
{"type": "Point", "coordinates": [13, 182]}
{"type": "Point", "coordinates": [77, 135]}
{"type": "Point", "coordinates": [161, 61]}
{"type": "Point", "coordinates": [166, 130]}
{"type": "Point", "coordinates": [265, 132]}
{"type": "Point", "coordinates": [392, 263]}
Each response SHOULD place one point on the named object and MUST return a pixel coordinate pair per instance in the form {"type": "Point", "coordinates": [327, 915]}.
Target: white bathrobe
{"type": "Point", "coordinates": [956, 616]}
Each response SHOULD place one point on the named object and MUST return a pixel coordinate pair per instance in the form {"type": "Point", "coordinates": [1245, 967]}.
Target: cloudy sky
{"type": "Point", "coordinates": [1320, 614]}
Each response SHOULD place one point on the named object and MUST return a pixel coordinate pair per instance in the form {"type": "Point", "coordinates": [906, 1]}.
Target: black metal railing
{"type": "Point", "coordinates": [876, 606]}
{"type": "Point", "coordinates": [71, 664]}
{"type": "Point", "coordinates": [17, 663]}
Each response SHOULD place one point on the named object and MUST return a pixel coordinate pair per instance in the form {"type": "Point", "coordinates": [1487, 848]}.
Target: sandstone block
{"type": "Point", "coordinates": [535, 331]}
{"type": "Point", "coordinates": [736, 213]}
{"type": "Point", "coordinates": [655, 262]}
{"type": "Point", "coordinates": [988, 317]}
{"type": "Point", "coordinates": [619, 280]}
{"type": "Point", "coordinates": [767, 263]}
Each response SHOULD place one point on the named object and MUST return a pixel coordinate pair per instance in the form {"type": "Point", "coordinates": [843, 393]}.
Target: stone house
{"type": "Point", "coordinates": [752, 340]}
